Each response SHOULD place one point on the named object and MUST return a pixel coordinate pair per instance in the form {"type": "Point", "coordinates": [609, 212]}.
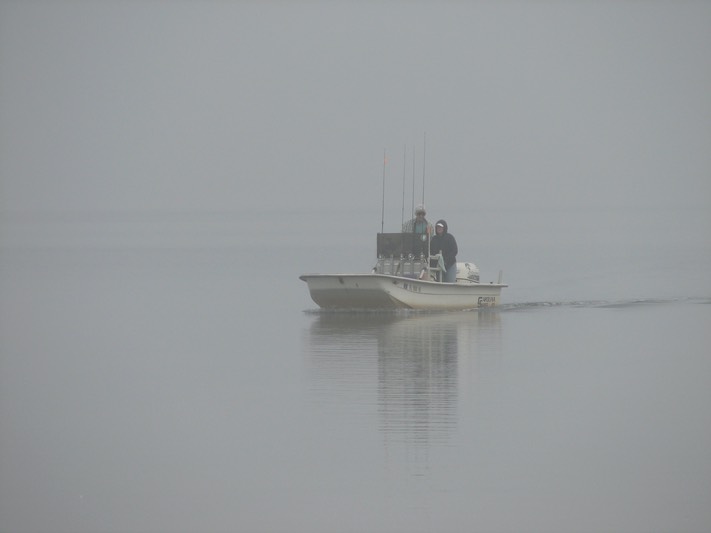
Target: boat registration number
{"type": "Point", "coordinates": [487, 301]}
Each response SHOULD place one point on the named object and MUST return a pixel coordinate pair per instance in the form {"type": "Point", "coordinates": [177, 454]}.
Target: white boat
{"type": "Point", "coordinates": [403, 279]}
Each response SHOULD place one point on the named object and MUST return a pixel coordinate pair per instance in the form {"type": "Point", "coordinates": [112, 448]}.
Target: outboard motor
{"type": "Point", "coordinates": [467, 273]}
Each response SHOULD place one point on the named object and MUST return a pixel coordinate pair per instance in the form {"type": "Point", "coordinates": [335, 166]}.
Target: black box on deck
{"type": "Point", "coordinates": [401, 244]}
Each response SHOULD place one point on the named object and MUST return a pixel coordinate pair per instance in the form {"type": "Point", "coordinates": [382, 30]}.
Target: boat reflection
{"type": "Point", "coordinates": [414, 366]}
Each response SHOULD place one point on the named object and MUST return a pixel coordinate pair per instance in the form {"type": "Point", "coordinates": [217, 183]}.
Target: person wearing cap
{"type": "Point", "coordinates": [444, 243]}
{"type": "Point", "coordinates": [419, 224]}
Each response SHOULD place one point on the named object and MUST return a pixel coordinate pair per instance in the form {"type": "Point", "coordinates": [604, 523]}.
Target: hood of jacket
{"type": "Point", "coordinates": [443, 223]}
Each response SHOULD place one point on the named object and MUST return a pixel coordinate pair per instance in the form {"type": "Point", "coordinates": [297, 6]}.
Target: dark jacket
{"type": "Point", "coordinates": [445, 244]}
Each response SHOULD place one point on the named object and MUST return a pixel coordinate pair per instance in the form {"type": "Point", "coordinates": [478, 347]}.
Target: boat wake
{"type": "Point", "coordinates": [617, 304]}
{"type": "Point", "coordinates": [515, 306]}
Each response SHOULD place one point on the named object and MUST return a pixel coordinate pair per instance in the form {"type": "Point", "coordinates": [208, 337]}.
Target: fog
{"type": "Point", "coordinates": [163, 162]}
{"type": "Point", "coordinates": [191, 105]}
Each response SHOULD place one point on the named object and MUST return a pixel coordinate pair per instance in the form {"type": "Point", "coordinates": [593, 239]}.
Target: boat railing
{"type": "Point", "coordinates": [404, 266]}
{"type": "Point", "coordinates": [428, 268]}
{"type": "Point", "coordinates": [407, 255]}
{"type": "Point", "coordinates": [436, 272]}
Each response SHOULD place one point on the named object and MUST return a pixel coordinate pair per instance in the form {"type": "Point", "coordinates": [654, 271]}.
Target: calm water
{"type": "Point", "coordinates": [167, 372]}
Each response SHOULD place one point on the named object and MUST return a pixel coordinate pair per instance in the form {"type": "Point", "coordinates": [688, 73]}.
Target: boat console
{"type": "Point", "coordinates": [401, 254]}
{"type": "Point", "coordinates": [402, 245]}
{"type": "Point", "coordinates": [406, 255]}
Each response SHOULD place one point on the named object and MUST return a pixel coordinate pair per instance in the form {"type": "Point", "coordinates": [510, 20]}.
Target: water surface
{"type": "Point", "coordinates": [157, 373]}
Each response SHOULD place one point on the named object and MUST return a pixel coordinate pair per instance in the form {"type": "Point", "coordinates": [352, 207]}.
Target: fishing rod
{"type": "Point", "coordinates": [412, 214]}
{"type": "Point", "coordinates": [404, 179]}
{"type": "Point", "coordinates": [404, 163]}
{"type": "Point", "coordinates": [382, 217]}
{"type": "Point", "coordinates": [424, 154]}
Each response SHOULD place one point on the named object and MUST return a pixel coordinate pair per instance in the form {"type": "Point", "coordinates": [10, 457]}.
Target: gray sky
{"type": "Point", "coordinates": [221, 105]}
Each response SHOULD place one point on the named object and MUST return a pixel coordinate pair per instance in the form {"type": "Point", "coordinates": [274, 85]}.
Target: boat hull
{"type": "Point", "coordinates": [381, 291]}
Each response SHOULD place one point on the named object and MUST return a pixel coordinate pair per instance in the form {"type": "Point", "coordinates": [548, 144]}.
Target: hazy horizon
{"type": "Point", "coordinates": [117, 106]}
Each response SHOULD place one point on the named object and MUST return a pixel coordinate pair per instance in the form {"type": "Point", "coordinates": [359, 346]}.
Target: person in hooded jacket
{"type": "Point", "coordinates": [444, 243]}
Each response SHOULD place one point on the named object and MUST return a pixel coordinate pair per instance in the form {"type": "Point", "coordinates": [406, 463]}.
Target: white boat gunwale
{"type": "Point", "coordinates": [395, 278]}
{"type": "Point", "coordinates": [377, 291]}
